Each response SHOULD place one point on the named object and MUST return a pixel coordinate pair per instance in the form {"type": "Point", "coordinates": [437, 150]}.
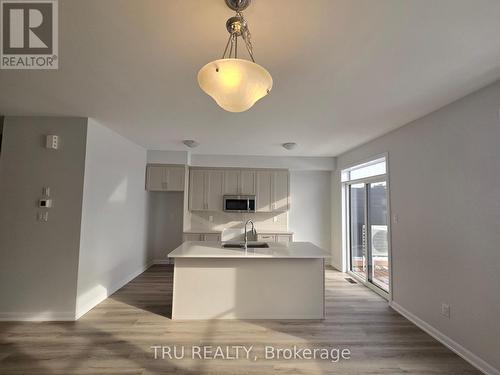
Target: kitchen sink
{"type": "Point", "coordinates": [250, 245]}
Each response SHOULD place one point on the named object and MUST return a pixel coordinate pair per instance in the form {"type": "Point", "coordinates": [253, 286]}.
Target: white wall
{"type": "Point", "coordinates": [249, 161]}
{"type": "Point", "coordinates": [168, 157]}
{"type": "Point", "coordinates": [309, 216]}
{"type": "Point", "coordinates": [113, 231]}
{"type": "Point", "coordinates": [445, 188]}
{"type": "Point", "coordinates": [242, 161]}
{"type": "Point", "coordinates": [38, 260]}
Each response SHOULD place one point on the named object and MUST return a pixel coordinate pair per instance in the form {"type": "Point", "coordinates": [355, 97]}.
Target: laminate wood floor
{"type": "Point", "coordinates": [116, 337]}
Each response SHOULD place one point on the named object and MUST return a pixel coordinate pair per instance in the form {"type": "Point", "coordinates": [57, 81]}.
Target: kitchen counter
{"type": "Point", "coordinates": [202, 231]}
{"type": "Point", "coordinates": [284, 281]}
{"type": "Point", "coordinates": [201, 249]}
{"type": "Point", "coordinates": [267, 231]}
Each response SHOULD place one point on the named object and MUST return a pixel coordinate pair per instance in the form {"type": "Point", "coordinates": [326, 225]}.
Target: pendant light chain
{"type": "Point", "coordinates": [247, 36]}
{"type": "Point", "coordinates": [236, 83]}
{"type": "Point", "coordinates": [232, 42]}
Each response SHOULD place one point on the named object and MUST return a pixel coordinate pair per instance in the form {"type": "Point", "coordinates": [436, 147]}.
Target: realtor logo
{"type": "Point", "coordinates": [29, 34]}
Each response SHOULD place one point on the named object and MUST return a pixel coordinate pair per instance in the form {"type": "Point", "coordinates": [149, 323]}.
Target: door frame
{"type": "Point", "coordinates": [346, 225]}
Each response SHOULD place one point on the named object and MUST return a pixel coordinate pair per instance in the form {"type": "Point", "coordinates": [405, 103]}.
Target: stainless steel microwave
{"type": "Point", "coordinates": [239, 203]}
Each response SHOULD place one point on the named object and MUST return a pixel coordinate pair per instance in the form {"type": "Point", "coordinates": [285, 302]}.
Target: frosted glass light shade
{"type": "Point", "coordinates": [235, 84]}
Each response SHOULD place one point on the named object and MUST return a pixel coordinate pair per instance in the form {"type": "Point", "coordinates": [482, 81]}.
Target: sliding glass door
{"type": "Point", "coordinates": [378, 264]}
{"type": "Point", "coordinates": [367, 224]}
{"type": "Point", "coordinates": [357, 224]}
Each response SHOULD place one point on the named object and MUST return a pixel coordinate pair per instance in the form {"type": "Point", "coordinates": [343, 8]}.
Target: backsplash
{"type": "Point", "coordinates": [226, 220]}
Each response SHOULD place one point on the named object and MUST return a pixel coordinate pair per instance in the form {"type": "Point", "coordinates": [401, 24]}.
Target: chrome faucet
{"type": "Point", "coordinates": [246, 233]}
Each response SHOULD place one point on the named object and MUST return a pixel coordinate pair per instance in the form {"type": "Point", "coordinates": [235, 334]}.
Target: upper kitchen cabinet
{"type": "Point", "coordinates": [205, 190]}
{"type": "Point", "coordinates": [239, 182]}
{"type": "Point", "coordinates": [197, 198]}
{"type": "Point", "coordinates": [281, 191]}
{"type": "Point", "coordinates": [208, 186]}
{"type": "Point", "coordinates": [165, 177]}
{"type": "Point", "coordinates": [247, 182]}
{"type": "Point", "coordinates": [214, 190]}
{"type": "Point", "coordinates": [231, 182]}
{"type": "Point", "coordinates": [272, 191]}
{"type": "Point", "coordinates": [264, 191]}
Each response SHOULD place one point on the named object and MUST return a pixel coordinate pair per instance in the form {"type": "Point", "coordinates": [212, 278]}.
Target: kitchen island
{"type": "Point", "coordinates": [284, 281]}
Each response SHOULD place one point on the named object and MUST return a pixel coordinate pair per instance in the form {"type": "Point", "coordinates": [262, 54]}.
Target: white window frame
{"type": "Point", "coordinates": [346, 256]}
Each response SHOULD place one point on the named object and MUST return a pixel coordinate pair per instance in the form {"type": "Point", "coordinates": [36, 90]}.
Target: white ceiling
{"type": "Point", "coordinates": [345, 71]}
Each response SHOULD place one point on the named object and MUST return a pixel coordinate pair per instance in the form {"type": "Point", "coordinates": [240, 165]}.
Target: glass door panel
{"type": "Point", "coordinates": [378, 249]}
{"type": "Point", "coordinates": [357, 225]}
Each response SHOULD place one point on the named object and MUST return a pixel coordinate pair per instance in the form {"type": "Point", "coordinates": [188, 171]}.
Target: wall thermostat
{"type": "Point", "coordinates": [52, 142]}
{"type": "Point", "coordinates": [45, 203]}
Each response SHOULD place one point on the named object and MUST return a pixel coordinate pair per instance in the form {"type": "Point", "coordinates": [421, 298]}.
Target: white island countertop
{"type": "Point", "coordinates": [202, 249]}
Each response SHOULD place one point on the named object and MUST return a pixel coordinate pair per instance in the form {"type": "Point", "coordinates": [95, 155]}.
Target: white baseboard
{"type": "Point", "coordinates": [97, 298]}
{"type": "Point", "coordinates": [91, 302]}
{"type": "Point", "coordinates": [46, 316]}
{"type": "Point", "coordinates": [466, 354]}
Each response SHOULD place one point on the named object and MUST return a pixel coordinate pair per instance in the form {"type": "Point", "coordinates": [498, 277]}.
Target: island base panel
{"type": "Point", "coordinates": [234, 288]}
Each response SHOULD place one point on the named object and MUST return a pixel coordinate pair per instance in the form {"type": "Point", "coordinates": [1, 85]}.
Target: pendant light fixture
{"type": "Point", "coordinates": [234, 83]}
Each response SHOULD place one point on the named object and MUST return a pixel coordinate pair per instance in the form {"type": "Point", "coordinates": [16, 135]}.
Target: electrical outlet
{"type": "Point", "coordinates": [396, 218]}
{"type": "Point", "coordinates": [210, 218]}
{"type": "Point", "coordinates": [275, 219]}
{"type": "Point", "coordinates": [445, 310]}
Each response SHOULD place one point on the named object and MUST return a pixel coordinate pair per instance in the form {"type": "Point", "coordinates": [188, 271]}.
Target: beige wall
{"type": "Point", "coordinates": [39, 260]}
{"type": "Point", "coordinates": [445, 188]}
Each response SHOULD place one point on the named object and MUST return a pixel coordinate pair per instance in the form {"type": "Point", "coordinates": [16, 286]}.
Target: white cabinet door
{"type": "Point", "coordinates": [156, 178]}
{"type": "Point", "coordinates": [247, 182]}
{"type": "Point", "coordinates": [284, 238]}
{"type": "Point", "coordinates": [197, 196]}
{"type": "Point", "coordinates": [232, 182]}
{"type": "Point", "coordinates": [175, 178]}
{"type": "Point", "coordinates": [214, 190]}
{"type": "Point", "coordinates": [211, 237]}
{"type": "Point", "coordinates": [165, 178]}
{"type": "Point", "coordinates": [264, 191]}
{"type": "Point", "coordinates": [192, 237]}
{"type": "Point", "coordinates": [266, 237]}
{"type": "Point", "coordinates": [280, 191]}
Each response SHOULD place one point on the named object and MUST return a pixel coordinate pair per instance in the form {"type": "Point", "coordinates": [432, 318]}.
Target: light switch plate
{"type": "Point", "coordinates": [52, 142]}
{"type": "Point", "coordinates": [42, 216]}
{"type": "Point", "coordinates": [445, 310]}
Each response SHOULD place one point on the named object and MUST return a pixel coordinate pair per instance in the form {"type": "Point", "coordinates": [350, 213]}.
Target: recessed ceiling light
{"type": "Point", "coordinates": [289, 145]}
{"type": "Point", "coordinates": [190, 143]}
